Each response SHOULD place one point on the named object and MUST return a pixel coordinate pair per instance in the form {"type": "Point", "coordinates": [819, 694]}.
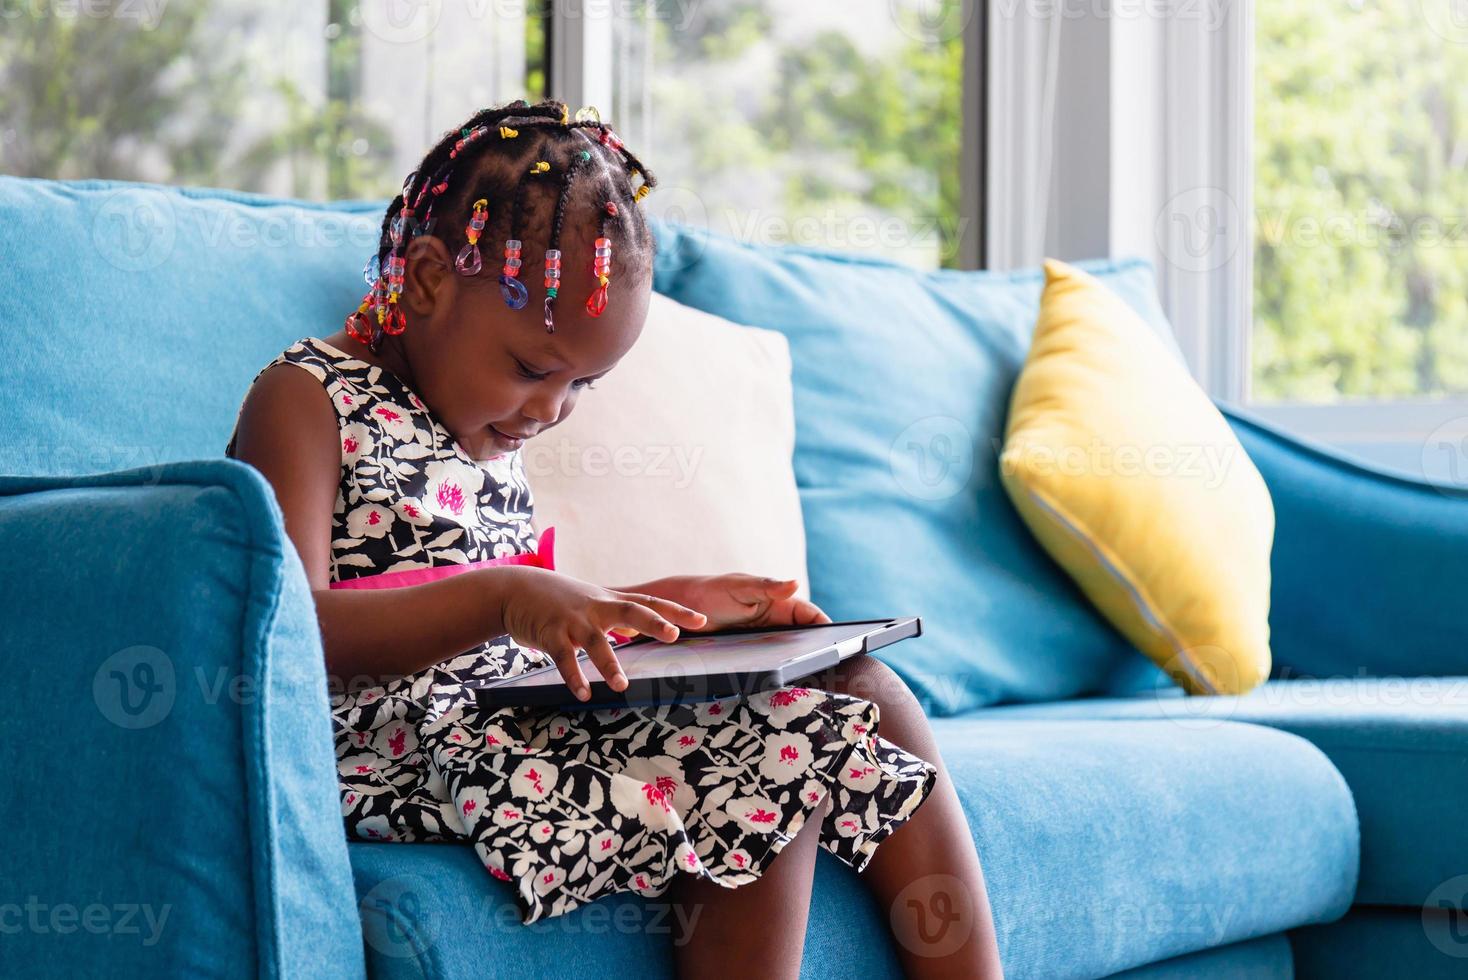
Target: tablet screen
{"type": "Point", "coordinates": [693, 655]}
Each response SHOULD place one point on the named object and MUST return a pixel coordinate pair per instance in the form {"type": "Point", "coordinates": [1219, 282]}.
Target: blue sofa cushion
{"type": "Point", "coordinates": [1368, 567]}
{"type": "Point", "coordinates": [902, 382]}
{"type": "Point", "coordinates": [1400, 743]}
{"type": "Point", "coordinates": [1107, 846]}
{"type": "Point", "coordinates": [431, 910]}
{"type": "Point", "coordinates": [145, 312]}
{"type": "Point", "coordinates": [170, 806]}
{"type": "Point", "coordinates": [1385, 942]}
{"type": "Point", "coordinates": [1267, 958]}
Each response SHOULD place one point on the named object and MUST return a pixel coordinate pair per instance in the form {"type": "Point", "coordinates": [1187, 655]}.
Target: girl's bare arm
{"type": "Point", "coordinates": [288, 431]}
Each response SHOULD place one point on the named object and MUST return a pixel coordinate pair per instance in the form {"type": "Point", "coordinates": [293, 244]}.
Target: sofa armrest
{"type": "Point", "coordinates": [1368, 566]}
{"type": "Point", "coordinates": [171, 807]}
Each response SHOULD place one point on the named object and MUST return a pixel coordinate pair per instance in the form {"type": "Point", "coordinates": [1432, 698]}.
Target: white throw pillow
{"type": "Point", "coordinates": [678, 461]}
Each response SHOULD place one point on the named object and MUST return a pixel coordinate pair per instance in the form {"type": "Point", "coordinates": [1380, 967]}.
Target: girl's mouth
{"type": "Point", "coordinates": [508, 441]}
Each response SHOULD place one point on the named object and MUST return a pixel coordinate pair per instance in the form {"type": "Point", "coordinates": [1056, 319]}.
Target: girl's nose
{"type": "Point", "coordinates": [544, 409]}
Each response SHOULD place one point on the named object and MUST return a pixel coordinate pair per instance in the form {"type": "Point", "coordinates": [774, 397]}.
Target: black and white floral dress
{"type": "Point", "coordinates": [565, 806]}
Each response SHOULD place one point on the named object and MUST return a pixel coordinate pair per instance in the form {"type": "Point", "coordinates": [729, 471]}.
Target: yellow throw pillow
{"type": "Point", "coordinates": [1134, 483]}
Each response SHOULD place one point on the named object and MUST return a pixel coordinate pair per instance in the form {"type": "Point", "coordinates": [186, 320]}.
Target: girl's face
{"type": "Point", "coordinates": [493, 376]}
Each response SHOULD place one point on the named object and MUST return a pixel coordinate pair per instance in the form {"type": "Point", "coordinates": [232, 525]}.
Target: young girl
{"type": "Point", "coordinates": [393, 448]}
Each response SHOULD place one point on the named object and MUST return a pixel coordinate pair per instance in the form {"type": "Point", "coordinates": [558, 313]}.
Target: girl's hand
{"type": "Point", "coordinates": [562, 616]}
{"type": "Point", "coordinates": [743, 600]}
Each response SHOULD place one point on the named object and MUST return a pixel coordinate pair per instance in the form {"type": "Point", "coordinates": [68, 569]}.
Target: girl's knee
{"type": "Point", "coordinates": [871, 680]}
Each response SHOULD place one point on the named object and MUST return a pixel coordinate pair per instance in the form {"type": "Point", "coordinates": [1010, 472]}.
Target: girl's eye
{"type": "Point", "coordinates": [530, 375]}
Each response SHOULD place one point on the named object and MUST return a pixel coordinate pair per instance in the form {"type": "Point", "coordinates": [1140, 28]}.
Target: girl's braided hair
{"type": "Point", "coordinates": [527, 166]}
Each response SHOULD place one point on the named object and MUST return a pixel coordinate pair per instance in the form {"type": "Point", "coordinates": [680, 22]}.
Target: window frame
{"type": "Point", "coordinates": [1360, 423]}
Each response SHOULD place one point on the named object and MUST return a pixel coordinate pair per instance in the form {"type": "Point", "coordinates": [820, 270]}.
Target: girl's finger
{"type": "Point", "coordinates": [675, 613]}
{"type": "Point", "coordinates": [808, 614]}
{"type": "Point", "coordinates": [754, 588]}
{"type": "Point", "coordinates": [601, 653]}
{"type": "Point", "coordinates": [569, 666]}
{"type": "Point", "coordinates": [629, 612]}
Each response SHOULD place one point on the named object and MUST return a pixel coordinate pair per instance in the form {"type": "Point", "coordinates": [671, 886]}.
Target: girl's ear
{"type": "Point", "coordinates": [428, 279]}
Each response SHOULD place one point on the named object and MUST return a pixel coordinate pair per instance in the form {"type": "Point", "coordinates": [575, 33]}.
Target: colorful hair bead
{"type": "Point", "coordinates": [469, 261]}
{"type": "Point", "coordinates": [395, 322]}
{"type": "Point", "coordinates": [359, 328]}
{"type": "Point", "coordinates": [508, 132]}
{"type": "Point", "coordinates": [552, 284]}
{"type": "Point", "coordinates": [466, 136]}
{"type": "Point", "coordinates": [511, 288]}
{"type": "Point", "coordinates": [553, 246]}
{"type": "Point", "coordinates": [610, 139]}
{"type": "Point", "coordinates": [601, 267]}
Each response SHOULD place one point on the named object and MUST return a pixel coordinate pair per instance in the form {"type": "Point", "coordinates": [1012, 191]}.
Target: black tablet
{"type": "Point", "coordinates": [705, 666]}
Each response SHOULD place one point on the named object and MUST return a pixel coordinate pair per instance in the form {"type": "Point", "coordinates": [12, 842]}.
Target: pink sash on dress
{"type": "Point", "coordinates": [543, 557]}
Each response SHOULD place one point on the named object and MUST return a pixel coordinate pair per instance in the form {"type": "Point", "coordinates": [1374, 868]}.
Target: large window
{"type": "Point", "coordinates": [834, 125]}
{"type": "Point", "coordinates": [1360, 200]}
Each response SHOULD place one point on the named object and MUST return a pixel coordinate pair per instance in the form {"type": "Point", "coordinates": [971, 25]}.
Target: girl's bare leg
{"type": "Point", "coordinates": [927, 875]}
{"type": "Point", "coordinates": [756, 930]}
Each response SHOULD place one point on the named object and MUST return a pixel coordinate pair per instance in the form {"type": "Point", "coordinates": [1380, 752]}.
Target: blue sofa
{"type": "Point", "coordinates": [170, 803]}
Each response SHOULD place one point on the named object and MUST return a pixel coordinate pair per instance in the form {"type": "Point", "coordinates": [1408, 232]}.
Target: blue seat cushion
{"type": "Point", "coordinates": [1107, 846]}
{"type": "Point", "coordinates": [1267, 958]}
{"type": "Point", "coordinates": [1400, 743]}
{"type": "Point", "coordinates": [902, 381]}
{"type": "Point", "coordinates": [431, 910]}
